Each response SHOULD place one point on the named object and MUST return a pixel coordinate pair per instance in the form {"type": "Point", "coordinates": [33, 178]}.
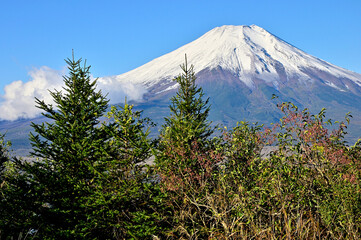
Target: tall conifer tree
{"type": "Point", "coordinates": [126, 199]}
{"type": "Point", "coordinates": [185, 162]}
{"type": "Point", "coordinates": [186, 131]}
{"type": "Point", "coordinates": [189, 111]}
{"type": "Point", "coordinates": [72, 153]}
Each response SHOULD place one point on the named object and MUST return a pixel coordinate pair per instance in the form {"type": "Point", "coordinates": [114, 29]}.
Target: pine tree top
{"type": "Point", "coordinates": [189, 111]}
{"type": "Point", "coordinates": [75, 117]}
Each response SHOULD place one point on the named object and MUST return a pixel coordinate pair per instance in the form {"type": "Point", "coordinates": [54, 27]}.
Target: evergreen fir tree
{"type": "Point", "coordinates": [186, 131]}
{"type": "Point", "coordinates": [129, 131]}
{"type": "Point", "coordinates": [186, 162]}
{"type": "Point", "coordinates": [189, 112]}
{"type": "Point", "coordinates": [72, 154]}
{"type": "Point", "coordinates": [126, 199]}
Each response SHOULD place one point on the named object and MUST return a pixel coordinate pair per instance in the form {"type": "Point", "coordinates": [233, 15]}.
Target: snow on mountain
{"type": "Point", "coordinates": [245, 51]}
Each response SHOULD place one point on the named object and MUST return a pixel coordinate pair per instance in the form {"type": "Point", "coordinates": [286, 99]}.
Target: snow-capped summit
{"type": "Point", "coordinates": [240, 68]}
{"type": "Point", "coordinates": [248, 52]}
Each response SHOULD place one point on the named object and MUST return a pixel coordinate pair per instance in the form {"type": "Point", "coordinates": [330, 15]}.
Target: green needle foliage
{"type": "Point", "coordinates": [187, 127]}
{"type": "Point", "coordinates": [126, 199]}
{"type": "Point", "coordinates": [189, 112]}
{"type": "Point", "coordinates": [72, 153]}
{"type": "Point", "coordinates": [16, 197]}
{"type": "Point", "coordinates": [130, 142]}
{"type": "Point", "coordinates": [185, 161]}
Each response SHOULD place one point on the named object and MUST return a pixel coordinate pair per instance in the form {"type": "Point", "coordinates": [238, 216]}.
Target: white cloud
{"type": "Point", "coordinates": [117, 90]}
{"type": "Point", "coordinates": [18, 99]}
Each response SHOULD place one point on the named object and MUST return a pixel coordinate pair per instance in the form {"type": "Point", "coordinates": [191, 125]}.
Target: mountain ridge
{"type": "Point", "coordinates": [244, 50]}
{"type": "Point", "coordinates": [240, 68]}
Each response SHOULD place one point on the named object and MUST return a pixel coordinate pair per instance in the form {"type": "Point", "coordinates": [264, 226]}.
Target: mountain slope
{"type": "Point", "coordinates": [245, 51]}
{"type": "Point", "coordinates": [240, 67]}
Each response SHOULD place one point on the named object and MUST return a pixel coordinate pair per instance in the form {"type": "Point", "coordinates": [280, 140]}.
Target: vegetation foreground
{"type": "Point", "coordinates": [90, 180]}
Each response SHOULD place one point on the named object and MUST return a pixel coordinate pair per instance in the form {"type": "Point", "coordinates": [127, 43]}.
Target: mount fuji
{"type": "Point", "coordinates": [239, 69]}
{"type": "Point", "coordinates": [247, 52]}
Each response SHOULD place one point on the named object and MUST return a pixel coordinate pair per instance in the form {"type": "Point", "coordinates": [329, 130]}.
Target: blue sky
{"type": "Point", "coordinates": [118, 36]}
